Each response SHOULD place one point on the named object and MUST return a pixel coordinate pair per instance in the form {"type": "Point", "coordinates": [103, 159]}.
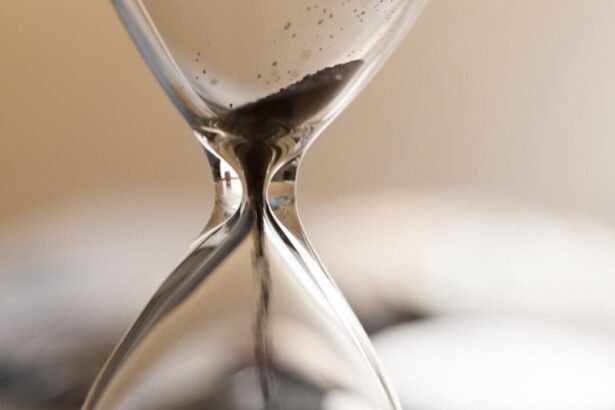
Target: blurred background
{"type": "Point", "coordinates": [479, 252]}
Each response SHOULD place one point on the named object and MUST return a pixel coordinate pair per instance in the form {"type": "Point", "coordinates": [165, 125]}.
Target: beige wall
{"type": "Point", "coordinates": [495, 95]}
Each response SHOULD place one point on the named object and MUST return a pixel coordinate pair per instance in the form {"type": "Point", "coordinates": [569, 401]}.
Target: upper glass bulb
{"type": "Point", "coordinates": [287, 62]}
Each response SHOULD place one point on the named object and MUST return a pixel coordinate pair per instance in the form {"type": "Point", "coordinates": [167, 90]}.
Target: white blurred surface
{"type": "Point", "coordinates": [442, 253]}
{"type": "Point", "coordinates": [89, 265]}
{"type": "Point", "coordinates": [498, 363]}
{"type": "Point", "coordinates": [514, 298]}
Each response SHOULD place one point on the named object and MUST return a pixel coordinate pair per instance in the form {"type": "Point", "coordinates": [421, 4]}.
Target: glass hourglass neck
{"type": "Point", "coordinates": [278, 190]}
{"type": "Point", "coordinates": [253, 145]}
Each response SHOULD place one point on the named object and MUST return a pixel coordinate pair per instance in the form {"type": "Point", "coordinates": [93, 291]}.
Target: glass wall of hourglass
{"type": "Point", "coordinates": [250, 319]}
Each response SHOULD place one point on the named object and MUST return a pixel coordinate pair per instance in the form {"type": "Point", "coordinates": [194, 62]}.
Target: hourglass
{"type": "Point", "coordinates": [250, 319]}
